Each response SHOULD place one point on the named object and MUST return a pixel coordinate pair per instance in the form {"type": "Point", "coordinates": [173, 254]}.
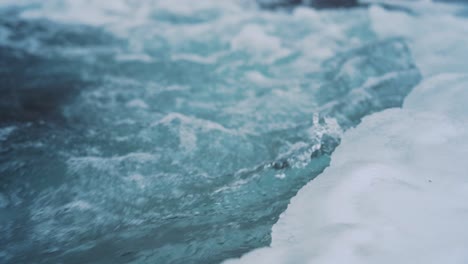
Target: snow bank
{"type": "Point", "coordinates": [397, 186]}
{"type": "Point", "coordinates": [395, 192]}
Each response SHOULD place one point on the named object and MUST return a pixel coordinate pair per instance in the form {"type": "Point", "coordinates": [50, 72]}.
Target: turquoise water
{"type": "Point", "coordinates": [170, 131]}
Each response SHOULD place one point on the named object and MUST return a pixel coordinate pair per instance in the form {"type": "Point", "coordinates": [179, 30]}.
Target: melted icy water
{"type": "Point", "coordinates": [174, 131]}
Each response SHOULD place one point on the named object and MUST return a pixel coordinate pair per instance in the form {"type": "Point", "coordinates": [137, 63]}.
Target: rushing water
{"type": "Point", "coordinates": [174, 131]}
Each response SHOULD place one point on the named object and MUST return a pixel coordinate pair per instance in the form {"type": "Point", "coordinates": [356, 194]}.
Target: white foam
{"type": "Point", "coordinates": [138, 179]}
{"type": "Point", "coordinates": [5, 132]}
{"type": "Point", "coordinates": [212, 59]}
{"type": "Point", "coordinates": [438, 40]}
{"type": "Point", "coordinates": [79, 204]}
{"type": "Point", "coordinates": [261, 45]}
{"type": "Point", "coordinates": [141, 57]}
{"type": "Point", "coordinates": [202, 124]}
{"type": "Point", "coordinates": [137, 103]}
{"type": "Point", "coordinates": [258, 78]}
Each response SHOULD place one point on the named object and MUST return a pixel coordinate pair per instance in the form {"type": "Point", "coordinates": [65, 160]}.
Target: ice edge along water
{"type": "Point", "coordinates": [397, 186]}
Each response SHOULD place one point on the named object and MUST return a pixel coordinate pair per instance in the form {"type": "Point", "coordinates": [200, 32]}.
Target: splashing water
{"type": "Point", "coordinates": [174, 131]}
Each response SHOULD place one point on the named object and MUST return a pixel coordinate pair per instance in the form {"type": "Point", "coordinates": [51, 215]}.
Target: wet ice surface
{"type": "Point", "coordinates": [174, 131]}
{"type": "Point", "coordinates": [396, 188]}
